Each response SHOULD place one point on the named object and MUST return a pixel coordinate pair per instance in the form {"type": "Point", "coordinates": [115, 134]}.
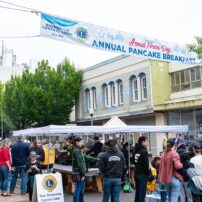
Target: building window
{"type": "Point", "coordinates": [120, 93]}
{"type": "Point", "coordinates": [143, 83]}
{"type": "Point", "coordinates": [113, 94]}
{"type": "Point", "coordinates": [175, 79]}
{"type": "Point", "coordinates": [94, 102]}
{"type": "Point", "coordinates": [195, 77]}
{"type": "Point", "coordinates": [106, 95]}
{"type": "Point", "coordinates": [135, 89]}
{"type": "Point", "coordinates": [88, 100]}
{"type": "Point", "coordinates": [186, 79]}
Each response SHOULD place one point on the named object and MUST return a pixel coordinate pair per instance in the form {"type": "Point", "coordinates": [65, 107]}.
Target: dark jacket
{"type": "Point", "coordinates": [125, 153]}
{"type": "Point", "coordinates": [96, 149]}
{"type": "Point", "coordinates": [20, 152]}
{"type": "Point", "coordinates": [112, 164]}
{"type": "Point", "coordinates": [80, 160]}
{"type": "Point", "coordinates": [141, 160]}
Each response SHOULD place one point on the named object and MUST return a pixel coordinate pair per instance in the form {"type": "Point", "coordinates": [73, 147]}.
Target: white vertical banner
{"type": "Point", "coordinates": [111, 40]}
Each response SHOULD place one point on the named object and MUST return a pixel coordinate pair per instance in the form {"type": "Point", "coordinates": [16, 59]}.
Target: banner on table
{"type": "Point", "coordinates": [111, 40]}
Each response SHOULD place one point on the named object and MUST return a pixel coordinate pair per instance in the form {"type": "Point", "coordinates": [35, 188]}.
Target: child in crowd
{"type": "Point", "coordinates": [33, 168]}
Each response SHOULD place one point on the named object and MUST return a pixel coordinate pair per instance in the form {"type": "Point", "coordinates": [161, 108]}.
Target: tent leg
{"type": "Point", "coordinates": [48, 170]}
{"type": "Point", "coordinates": [150, 143]}
{"type": "Point", "coordinates": [129, 156]}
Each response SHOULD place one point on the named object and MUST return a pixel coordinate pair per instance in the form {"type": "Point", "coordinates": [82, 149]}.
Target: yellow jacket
{"type": "Point", "coordinates": [51, 159]}
{"type": "Point", "coordinates": [151, 185]}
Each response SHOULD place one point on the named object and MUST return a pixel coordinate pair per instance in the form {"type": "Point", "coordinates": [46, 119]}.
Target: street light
{"type": "Point", "coordinates": [91, 112]}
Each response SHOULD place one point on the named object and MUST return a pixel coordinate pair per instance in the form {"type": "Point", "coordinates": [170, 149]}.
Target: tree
{"type": "Point", "coordinates": [196, 47]}
{"type": "Point", "coordinates": [44, 97]}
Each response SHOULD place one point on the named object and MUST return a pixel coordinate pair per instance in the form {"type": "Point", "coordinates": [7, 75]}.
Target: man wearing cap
{"type": "Point", "coordinates": [195, 173]}
{"type": "Point", "coordinates": [97, 147]}
{"type": "Point", "coordinates": [20, 152]}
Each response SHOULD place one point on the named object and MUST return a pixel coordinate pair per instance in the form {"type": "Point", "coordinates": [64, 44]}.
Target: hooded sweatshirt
{"type": "Point", "coordinates": [141, 159]}
{"type": "Point", "coordinates": [112, 164]}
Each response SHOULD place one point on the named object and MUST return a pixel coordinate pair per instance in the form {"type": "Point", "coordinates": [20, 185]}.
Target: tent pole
{"type": "Point", "coordinates": [129, 156]}
{"type": "Point", "coordinates": [150, 143]}
{"type": "Point", "coordinates": [48, 170]}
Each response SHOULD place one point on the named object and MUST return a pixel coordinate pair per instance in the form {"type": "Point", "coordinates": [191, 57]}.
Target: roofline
{"type": "Point", "coordinates": [120, 57]}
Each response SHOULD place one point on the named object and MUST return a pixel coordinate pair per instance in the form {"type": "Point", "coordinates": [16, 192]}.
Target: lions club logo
{"type": "Point", "coordinates": [49, 183]}
{"type": "Point", "coordinates": [82, 33]}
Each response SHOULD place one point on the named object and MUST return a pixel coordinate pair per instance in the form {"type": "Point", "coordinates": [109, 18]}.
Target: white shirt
{"type": "Point", "coordinates": [197, 161]}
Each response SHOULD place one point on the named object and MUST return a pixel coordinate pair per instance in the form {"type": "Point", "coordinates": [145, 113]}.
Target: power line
{"type": "Point", "coordinates": [17, 5]}
{"type": "Point", "coordinates": [23, 8]}
{"type": "Point", "coordinates": [16, 9]}
{"type": "Point", "coordinates": [17, 37]}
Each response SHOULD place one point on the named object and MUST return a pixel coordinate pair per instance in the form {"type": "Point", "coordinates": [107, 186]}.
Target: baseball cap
{"type": "Point", "coordinates": [33, 154]}
{"type": "Point", "coordinates": [197, 146]}
{"type": "Point", "coordinates": [171, 141]}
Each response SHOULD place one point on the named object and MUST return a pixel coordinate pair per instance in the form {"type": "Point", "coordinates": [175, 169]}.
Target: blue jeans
{"type": "Point", "coordinates": [19, 170]}
{"type": "Point", "coordinates": [141, 183]}
{"type": "Point", "coordinates": [112, 186]}
{"type": "Point", "coordinates": [173, 190]}
{"type": "Point", "coordinates": [79, 191]}
{"type": "Point", "coordinates": [4, 178]}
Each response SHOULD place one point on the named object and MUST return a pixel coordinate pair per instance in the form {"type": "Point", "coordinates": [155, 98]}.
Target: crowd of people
{"type": "Point", "coordinates": [176, 174]}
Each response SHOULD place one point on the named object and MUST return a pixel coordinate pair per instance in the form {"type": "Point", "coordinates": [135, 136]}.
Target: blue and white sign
{"type": "Point", "coordinates": [110, 40]}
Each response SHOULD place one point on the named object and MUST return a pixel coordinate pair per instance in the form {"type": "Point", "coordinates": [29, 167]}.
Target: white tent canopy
{"type": "Point", "coordinates": [55, 130]}
{"type": "Point", "coordinates": [115, 121]}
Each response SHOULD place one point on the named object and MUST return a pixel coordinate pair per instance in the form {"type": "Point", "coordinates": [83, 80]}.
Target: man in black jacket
{"type": "Point", "coordinates": [112, 166]}
{"type": "Point", "coordinates": [96, 148]}
{"type": "Point", "coordinates": [141, 160]}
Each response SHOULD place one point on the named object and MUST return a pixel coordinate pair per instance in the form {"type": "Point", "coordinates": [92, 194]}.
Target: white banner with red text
{"type": "Point", "coordinates": [111, 40]}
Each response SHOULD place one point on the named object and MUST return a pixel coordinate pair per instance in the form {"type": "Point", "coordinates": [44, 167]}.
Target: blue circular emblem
{"type": "Point", "coordinates": [82, 33]}
{"type": "Point", "coordinates": [49, 183]}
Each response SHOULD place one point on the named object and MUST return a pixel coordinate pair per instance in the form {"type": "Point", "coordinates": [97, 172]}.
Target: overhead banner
{"type": "Point", "coordinates": [111, 40]}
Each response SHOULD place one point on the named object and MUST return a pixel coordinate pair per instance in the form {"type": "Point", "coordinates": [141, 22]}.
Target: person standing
{"type": "Point", "coordinates": [96, 148]}
{"type": "Point", "coordinates": [79, 168]}
{"type": "Point", "coordinates": [112, 166]}
{"type": "Point", "coordinates": [20, 152]}
{"type": "Point", "coordinates": [33, 168]}
{"type": "Point", "coordinates": [47, 156]}
{"type": "Point", "coordinates": [168, 174]}
{"type": "Point", "coordinates": [5, 166]}
{"type": "Point", "coordinates": [125, 152]}
{"type": "Point", "coordinates": [141, 159]}
{"type": "Point", "coordinates": [195, 174]}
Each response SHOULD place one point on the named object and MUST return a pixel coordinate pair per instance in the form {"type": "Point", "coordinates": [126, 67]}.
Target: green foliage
{"type": "Point", "coordinates": [43, 98]}
{"type": "Point", "coordinates": [196, 47]}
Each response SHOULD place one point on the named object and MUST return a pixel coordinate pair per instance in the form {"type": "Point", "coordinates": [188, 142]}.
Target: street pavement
{"type": "Point", "coordinates": [89, 196]}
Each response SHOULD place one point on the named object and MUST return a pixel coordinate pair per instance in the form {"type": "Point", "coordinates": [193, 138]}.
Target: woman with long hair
{"type": "Point", "coordinates": [168, 174]}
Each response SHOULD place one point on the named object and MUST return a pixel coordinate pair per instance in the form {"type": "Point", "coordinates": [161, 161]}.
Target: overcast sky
{"type": "Point", "coordinates": [171, 20]}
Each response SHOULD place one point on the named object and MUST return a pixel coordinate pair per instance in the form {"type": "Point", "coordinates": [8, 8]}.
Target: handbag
{"type": "Point", "coordinates": [75, 172]}
{"type": "Point", "coordinates": [75, 176]}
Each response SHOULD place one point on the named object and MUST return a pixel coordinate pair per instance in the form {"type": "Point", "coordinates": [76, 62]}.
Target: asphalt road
{"type": "Point", "coordinates": [97, 197]}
